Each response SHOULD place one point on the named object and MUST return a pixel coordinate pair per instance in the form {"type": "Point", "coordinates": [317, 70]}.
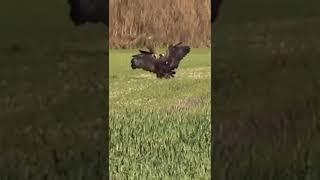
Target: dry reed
{"type": "Point", "coordinates": [158, 23]}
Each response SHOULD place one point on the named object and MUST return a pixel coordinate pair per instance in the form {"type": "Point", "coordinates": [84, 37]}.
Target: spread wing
{"type": "Point", "coordinates": [175, 54]}
{"type": "Point", "coordinates": [164, 66]}
{"type": "Point", "coordinates": [145, 60]}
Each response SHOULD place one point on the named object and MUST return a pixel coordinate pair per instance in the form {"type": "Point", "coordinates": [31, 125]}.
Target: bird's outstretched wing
{"type": "Point", "coordinates": [145, 60]}
{"type": "Point", "coordinates": [175, 54]}
{"type": "Point", "coordinates": [164, 66]}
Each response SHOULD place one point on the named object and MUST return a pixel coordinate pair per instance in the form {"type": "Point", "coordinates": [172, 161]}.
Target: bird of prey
{"type": "Point", "coordinates": [93, 11]}
{"type": "Point", "coordinates": [163, 66]}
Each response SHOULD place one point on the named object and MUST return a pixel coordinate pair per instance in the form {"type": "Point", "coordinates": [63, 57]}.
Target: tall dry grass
{"type": "Point", "coordinates": [138, 23]}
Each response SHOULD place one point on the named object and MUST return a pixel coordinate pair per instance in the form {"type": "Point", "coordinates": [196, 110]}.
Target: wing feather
{"type": "Point", "coordinates": [164, 66]}
{"type": "Point", "coordinates": [176, 53]}
{"type": "Point", "coordinates": [147, 61]}
{"type": "Point", "coordinates": [144, 52]}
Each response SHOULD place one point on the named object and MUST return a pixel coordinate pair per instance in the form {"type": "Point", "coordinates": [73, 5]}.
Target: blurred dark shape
{"type": "Point", "coordinates": [16, 47]}
{"type": "Point", "coordinates": [216, 9]}
{"type": "Point", "coordinates": [92, 11]}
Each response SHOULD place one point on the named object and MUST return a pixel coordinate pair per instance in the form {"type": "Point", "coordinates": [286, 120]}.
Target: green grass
{"type": "Point", "coordinates": [266, 85]}
{"type": "Point", "coordinates": [52, 93]}
{"type": "Point", "coordinates": [160, 128]}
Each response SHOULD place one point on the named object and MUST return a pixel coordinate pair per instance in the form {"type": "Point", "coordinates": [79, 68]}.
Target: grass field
{"type": "Point", "coordinates": [160, 128]}
{"type": "Point", "coordinates": [266, 84]}
{"type": "Point", "coordinates": [52, 93]}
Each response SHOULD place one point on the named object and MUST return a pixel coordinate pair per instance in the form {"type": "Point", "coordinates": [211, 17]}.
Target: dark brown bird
{"type": "Point", "coordinates": [165, 65]}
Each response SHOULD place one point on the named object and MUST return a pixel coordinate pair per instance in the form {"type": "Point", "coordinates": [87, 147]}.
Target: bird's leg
{"type": "Point", "coordinates": [172, 73]}
{"type": "Point", "coordinates": [168, 76]}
